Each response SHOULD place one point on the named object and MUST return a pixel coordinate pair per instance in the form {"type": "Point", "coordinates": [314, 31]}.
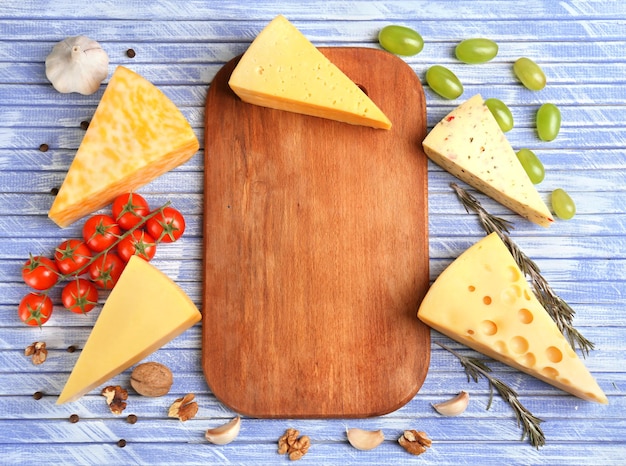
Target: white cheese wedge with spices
{"type": "Point", "coordinates": [144, 311]}
{"type": "Point", "coordinates": [283, 70]}
{"type": "Point", "coordinates": [483, 300]}
{"type": "Point", "coordinates": [469, 144]}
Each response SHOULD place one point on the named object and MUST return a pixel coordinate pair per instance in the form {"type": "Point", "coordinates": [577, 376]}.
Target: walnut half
{"type": "Point", "coordinates": [116, 398]}
{"type": "Point", "coordinates": [415, 442]}
{"type": "Point", "coordinates": [295, 447]}
{"type": "Point", "coordinates": [184, 408]}
{"type": "Point", "coordinates": [37, 352]}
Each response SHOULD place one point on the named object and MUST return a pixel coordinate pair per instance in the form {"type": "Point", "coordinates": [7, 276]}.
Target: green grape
{"type": "Point", "coordinates": [501, 113]}
{"type": "Point", "coordinates": [476, 50]}
{"type": "Point", "coordinates": [532, 165]}
{"type": "Point", "coordinates": [548, 122]}
{"type": "Point", "coordinates": [562, 204]}
{"type": "Point", "coordinates": [529, 73]}
{"type": "Point", "coordinates": [400, 40]}
{"type": "Point", "coordinates": [444, 82]}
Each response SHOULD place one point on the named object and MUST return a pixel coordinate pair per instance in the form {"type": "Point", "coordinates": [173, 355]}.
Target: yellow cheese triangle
{"type": "Point", "coordinates": [136, 134]}
{"type": "Point", "coordinates": [144, 311]}
{"type": "Point", "coordinates": [282, 69]}
{"type": "Point", "coordinates": [469, 144]}
{"type": "Point", "coordinates": [484, 301]}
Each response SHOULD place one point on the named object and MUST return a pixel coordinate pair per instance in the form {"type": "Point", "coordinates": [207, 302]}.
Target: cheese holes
{"type": "Point", "coordinates": [550, 372]}
{"type": "Point", "coordinates": [511, 294]}
{"type": "Point", "coordinates": [519, 345]}
{"type": "Point", "coordinates": [362, 87]}
{"type": "Point", "coordinates": [500, 347]}
{"type": "Point", "coordinates": [488, 327]}
{"type": "Point", "coordinates": [529, 360]}
{"type": "Point", "coordinates": [525, 316]}
{"type": "Point", "coordinates": [471, 288]}
{"type": "Point", "coordinates": [554, 354]}
{"type": "Point", "coordinates": [513, 274]}
{"type": "Point", "coordinates": [487, 300]}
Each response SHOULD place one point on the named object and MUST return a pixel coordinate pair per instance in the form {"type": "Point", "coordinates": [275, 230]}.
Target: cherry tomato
{"type": "Point", "coordinates": [80, 296]}
{"type": "Point", "coordinates": [100, 232]}
{"type": "Point", "coordinates": [166, 226]}
{"type": "Point", "coordinates": [105, 271]}
{"type": "Point", "coordinates": [138, 243]}
{"type": "Point", "coordinates": [40, 273]}
{"type": "Point", "coordinates": [72, 255]}
{"type": "Point", "coordinates": [129, 210]}
{"type": "Point", "coordinates": [35, 309]}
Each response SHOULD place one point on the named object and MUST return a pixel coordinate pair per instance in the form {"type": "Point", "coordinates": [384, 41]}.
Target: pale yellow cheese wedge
{"type": "Point", "coordinates": [484, 301]}
{"type": "Point", "coordinates": [144, 311]}
{"type": "Point", "coordinates": [469, 144]}
{"type": "Point", "coordinates": [282, 69]}
{"type": "Point", "coordinates": [136, 134]}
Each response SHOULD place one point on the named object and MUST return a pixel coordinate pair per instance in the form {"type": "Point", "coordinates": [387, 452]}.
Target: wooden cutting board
{"type": "Point", "coordinates": [316, 251]}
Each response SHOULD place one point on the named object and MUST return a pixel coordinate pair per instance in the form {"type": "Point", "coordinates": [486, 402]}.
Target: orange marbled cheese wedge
{"type": "Point", "coordinates": [136, 134]}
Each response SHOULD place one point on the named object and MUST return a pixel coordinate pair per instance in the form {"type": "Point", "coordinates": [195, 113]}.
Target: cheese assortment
{"type": "Point", "coordinates": [283, 70]}
{"type": "Point", "coordinates": [144, 311]}
{"type": "Point", "coordinates": [136, 134]}
{"type": "Point", "coordinates": [469, 144]}
{"type": "Point", "coordinates": [484, 301]}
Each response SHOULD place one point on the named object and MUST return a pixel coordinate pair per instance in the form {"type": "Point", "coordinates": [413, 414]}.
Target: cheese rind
{"type": "Point", "coordinates": [469, 144]}
{"type": "Point", "coordinates": [483, 300]}
{"type": "Point", "coordinates": [283, 70]}
{"type": "Point", "coordinates": [144, 311]}
{"type": "Point", "coordinates": [136, 134]}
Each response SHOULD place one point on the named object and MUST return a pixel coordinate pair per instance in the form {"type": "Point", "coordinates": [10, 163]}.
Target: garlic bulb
{"type": "Point", "coordinates": [77, 64]}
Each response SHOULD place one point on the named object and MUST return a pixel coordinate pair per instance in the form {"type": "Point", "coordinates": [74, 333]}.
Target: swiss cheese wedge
{"type": "Point", "coordinates": [136, 134]}
{"type": "Point", "coordinates": [484, 301]}
{"type": "Point", "coordinates": [282, 69]}
{"type": "Point", "coordinates": [469, 144]}
{"type": "Point", "coordinates": [144, 311]}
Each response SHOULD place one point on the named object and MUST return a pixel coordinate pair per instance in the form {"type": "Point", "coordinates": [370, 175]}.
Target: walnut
{"type": "Point", "coordinates": [415, 442]}
{"type": "Point", "coordinates": [116, 398]}
{"type": "Point", "coordinates": [295, 447]}
{"type": "Point", "coordinates": [184, 408]}
{"type": "Point", "coordinates": [37, 351]}
{"type": "Point", "coordinates": [151, 379]}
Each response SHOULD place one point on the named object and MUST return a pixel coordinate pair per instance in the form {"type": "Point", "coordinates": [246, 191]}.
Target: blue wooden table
{"type": "Point", "coordinates": [179, 46]}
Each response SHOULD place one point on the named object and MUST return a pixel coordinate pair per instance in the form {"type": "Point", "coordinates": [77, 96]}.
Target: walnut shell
{"type": "Point", "coordinates": [151, 379]}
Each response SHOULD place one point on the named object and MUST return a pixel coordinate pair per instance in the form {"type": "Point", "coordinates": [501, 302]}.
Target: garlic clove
{"type": "Point", "coordinates": [225, 433]}
{"type": "Point", "coordinates": [454, 406]}
{"type": "Point", "coordinates": [365, 439]}
{"type": "Point", "coordinates": [77, 64]}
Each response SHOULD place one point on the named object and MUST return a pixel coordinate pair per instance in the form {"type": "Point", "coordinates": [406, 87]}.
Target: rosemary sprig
{"type": "Point", "coordinates": [530, 424]}
{"type": "Point", "coordinates": [557, 308]}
